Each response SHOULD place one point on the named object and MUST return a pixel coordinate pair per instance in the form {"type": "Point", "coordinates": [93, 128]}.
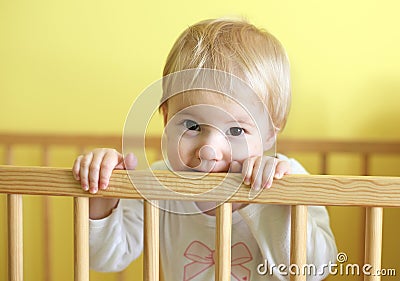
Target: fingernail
{"type": "Point", "coordinates": [102, 186]}
{"type": "Point", "coordinates": [85, 187]}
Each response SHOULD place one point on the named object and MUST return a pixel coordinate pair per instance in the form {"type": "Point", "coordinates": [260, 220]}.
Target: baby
{"type": "Point", "coordinates": [226, 125]}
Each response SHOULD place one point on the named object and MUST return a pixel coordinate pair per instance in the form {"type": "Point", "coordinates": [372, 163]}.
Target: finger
{"type": "Point", "coordinates": [256, 176]}
{"type": "Point", "coordinates": [76, 167]}
{"type": "Point", "coordinates": [94, 170]}
{"type": "Point", "coordinates": [255, 190]}
{"type": "Point", "coordinates": [282, 168]}
{"type": "Point", "coordinates": [247, 170]}
{"type": "Point", "coordinates": [129, 162]}
{"type": "Point", "coordinates": [84, 170]}
{"type": "Point", "coordinates": [235, 167]}
{"type": "Point", "coordinates": [269, 172]}
{"type": "Point", "coordinates": [109, 162]}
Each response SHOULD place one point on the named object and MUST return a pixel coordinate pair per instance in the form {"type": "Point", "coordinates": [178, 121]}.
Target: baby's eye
{"type": "Point", "coordinates": [235, 131]}
{"type": "Point", "coordinates": [191, 125]}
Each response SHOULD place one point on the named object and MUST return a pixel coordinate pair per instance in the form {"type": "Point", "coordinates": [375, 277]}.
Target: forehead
{"type": "Point", "coordinates": [190, 101]}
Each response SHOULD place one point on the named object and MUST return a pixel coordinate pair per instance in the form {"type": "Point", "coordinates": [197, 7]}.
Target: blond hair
{"type": "Point", "coordinates": [239, 48]}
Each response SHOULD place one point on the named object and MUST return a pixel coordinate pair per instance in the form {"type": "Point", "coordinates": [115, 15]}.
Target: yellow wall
{"type": "Point", "coordinates": [76, 66]}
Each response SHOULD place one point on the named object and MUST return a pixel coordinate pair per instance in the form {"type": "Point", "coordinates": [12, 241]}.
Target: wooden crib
{"type": "Point", "coordinates": [373, 193]}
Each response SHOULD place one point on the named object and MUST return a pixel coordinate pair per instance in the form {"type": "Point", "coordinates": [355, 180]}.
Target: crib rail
{"type": "Point", "coordinates": [317, 190]}
{"type": "Point", "coordinates": [299, 191]}
{"type": "Point", "coordinates": [369, 192]}
{"type": "Point", "coordinates": [320, 190]}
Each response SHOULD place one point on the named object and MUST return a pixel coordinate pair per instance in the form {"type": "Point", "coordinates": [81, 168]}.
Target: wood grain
{"type": "Point", "coordinates": [81, 239]}
{"type": "Point", "coordinates": [47, 238]}
{"type": "Point", "coordinates": [291, 190]}
{"type": "Point", "coordinates": [298, 241]}
{"type": "Point", "coordinates": [223, 242]}
{"type": "Point", "coordinates": [15, 238]}
{"type": "Point", "coordinates": [151, 249]}
{"type": "Point", "coordinates": [373, 241]}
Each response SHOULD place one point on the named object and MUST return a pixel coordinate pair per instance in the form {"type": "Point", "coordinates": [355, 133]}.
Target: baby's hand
{"type": "Point", "coordinates": [259, 172]}
{"type": "Point", "coordinates": [94, 169]}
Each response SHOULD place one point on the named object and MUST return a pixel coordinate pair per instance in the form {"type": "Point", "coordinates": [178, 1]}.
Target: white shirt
{"type": "Point", "coordinates": [260, 239]}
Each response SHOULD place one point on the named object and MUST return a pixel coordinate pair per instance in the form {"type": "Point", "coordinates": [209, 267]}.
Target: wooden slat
{"type": "Point", "coordinates": [8, 157]}
{"type": "Point", "coordinates": [324, 164]}
{"type": "Point", "coordinates": [81, 240]}
{"type": "Point", "coordinates": [15, 229]}
{"type": "Point", "coordinates": [47, 241]}
{"type": "Point", "coordinates": [151, 250]}
{"type": "Point", "coordinates": [373, 241]}
{"type": "Point", "coordinates": [45, 155]}
{"type": "Point", "coordinates": [81, 149]}
{"type": "Point", "coordinates": [120, 276]}
{"type": "Point", "coordinates": [223, 242]}
{"type": "Point", "coordinates": [298, 245]}
{"type": "Point", "coordinates": [15, 238]}
{"type": "Point", "coordinates": [291, 190]}
{"type": "Point", "coordinates": [365, 164]}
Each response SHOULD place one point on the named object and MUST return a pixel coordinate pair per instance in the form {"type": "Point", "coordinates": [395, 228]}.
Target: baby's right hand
{"type": "Point", "coordinates": [94, 169]}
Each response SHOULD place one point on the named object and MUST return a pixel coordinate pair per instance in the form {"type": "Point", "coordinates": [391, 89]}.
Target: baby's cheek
{"type": "Point", "coordinates": [178, 154]}
{"type": "Point", "coordinates": [172, 153]}
{"type": "Point", "coordinates": [245, 150]}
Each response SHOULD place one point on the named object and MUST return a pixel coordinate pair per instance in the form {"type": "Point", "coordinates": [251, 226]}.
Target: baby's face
{"type": "Point", "coordinates": [205, 132]}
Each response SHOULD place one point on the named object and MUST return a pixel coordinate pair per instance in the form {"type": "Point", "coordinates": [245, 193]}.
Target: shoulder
{"type": "Point", "coordinates": [297, 168]}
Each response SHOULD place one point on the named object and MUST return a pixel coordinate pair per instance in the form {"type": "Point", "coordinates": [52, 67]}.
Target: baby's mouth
{"type": "Point", "coordinates": [205, 166]}
{"type": "Point", "coordinates": [209, 167]}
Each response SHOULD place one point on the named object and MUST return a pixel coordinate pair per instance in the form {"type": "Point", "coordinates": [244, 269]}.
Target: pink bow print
{"type": "Point", "coordinates": [202, 258]}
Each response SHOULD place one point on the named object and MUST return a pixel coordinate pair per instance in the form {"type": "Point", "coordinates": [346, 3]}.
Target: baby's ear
{"type": "Point", "coordinates": [164, 112]}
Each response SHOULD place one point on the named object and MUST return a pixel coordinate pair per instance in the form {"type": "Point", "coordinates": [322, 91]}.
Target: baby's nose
{"type": "Point", "coordinates": [208, 152]}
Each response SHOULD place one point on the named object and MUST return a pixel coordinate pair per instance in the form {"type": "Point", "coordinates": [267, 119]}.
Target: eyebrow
{"type": "Point", "coordinates": [244, 121]}
{"type": "Point", "coordinates": [240, 120]}
{"type": "Point", "coordinates": [184, 114]}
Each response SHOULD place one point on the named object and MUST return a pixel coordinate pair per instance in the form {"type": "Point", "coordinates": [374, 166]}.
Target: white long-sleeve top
{"type": "Point", "coordinates": [260, 240]}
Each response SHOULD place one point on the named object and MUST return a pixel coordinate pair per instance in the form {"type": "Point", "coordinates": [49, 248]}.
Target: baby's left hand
{"type": "Point", "coordinates": [259, 172]}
